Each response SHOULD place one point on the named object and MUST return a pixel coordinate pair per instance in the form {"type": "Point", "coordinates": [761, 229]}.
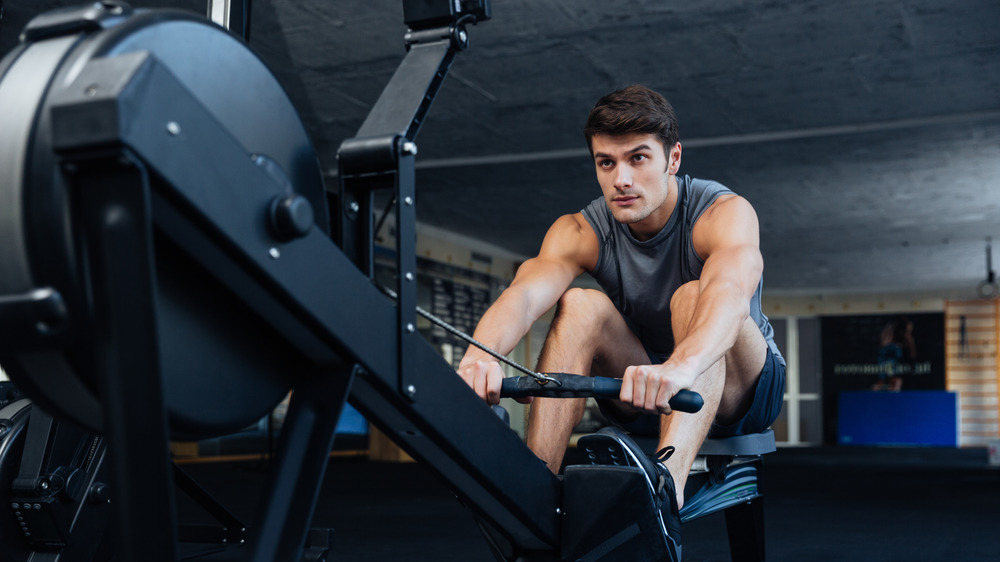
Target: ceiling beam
{"type": "Point", "coordinates": [725, 140]}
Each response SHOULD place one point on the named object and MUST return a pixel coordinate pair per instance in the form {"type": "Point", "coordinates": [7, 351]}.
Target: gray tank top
{"type": "Point", "coordinates": [640, 277]}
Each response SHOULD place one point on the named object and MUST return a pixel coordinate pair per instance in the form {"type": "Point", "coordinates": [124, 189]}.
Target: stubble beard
{"type": "Point", "coordinates": [631, 215]}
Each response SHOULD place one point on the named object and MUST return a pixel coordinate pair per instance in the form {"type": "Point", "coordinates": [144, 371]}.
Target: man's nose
{"type": "Point", "coordinates": [623, 179]}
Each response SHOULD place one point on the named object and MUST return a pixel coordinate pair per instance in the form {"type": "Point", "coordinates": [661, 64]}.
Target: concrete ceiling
{"type": "Point", "coordinates": [865, 133]}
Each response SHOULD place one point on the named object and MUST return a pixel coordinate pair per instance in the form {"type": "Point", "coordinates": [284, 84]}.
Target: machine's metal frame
{"type": "Point", "coordinates": [318, 294]}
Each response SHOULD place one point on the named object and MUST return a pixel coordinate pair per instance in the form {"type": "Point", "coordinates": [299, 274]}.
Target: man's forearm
{"type": "Point", "coordinates": [718, 317]}
{"type": "Point", "coordinates": [501, 327]}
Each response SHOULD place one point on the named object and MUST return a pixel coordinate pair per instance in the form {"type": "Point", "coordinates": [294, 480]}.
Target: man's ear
{"type": "Point", "coordinates": [674, 159]}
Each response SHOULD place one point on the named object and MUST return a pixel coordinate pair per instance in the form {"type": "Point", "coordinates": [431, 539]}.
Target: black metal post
{"type": "Point", "coordinates": [745, 527]}
{"type": "Point", "coordinates": [371, 159]}
{"type": "Point", "coordinates": [297, 473]}
{"type": "Point", "coordinates": [406, 266]}
{"type": "Point", "coordinates": [112, 199]}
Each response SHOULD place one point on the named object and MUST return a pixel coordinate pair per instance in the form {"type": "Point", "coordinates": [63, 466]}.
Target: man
{"type": "Point", "coordinates": [679, 261]}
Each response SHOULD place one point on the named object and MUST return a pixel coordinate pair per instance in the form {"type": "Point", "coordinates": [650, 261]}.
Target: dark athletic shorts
{"type": "Point", "coordinates": [767, 401]}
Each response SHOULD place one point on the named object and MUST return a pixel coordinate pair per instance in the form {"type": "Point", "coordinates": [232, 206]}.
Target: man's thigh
{"type": "Point", "coordinates": [615, 345]}
{"type": "Point", "coordinates": [596, 322]}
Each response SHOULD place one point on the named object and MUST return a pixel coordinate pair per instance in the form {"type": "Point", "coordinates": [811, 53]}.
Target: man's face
{"type": "Point", "coordinates": [637, 179]}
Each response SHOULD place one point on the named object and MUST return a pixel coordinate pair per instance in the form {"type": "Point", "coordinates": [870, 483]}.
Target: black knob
{"type": "Point", "coordinates": [98, 493]}
{"type": "Point", "coordinates": [291, 217]}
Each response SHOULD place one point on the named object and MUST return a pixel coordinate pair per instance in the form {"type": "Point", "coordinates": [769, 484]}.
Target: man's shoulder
{"type": "Point", "coordinates": [596, 215]}
{"type": "Point", "coordinates": [571, 238]}
{"type": "Point", "coordinates": [573, 224]}
{"type": "Point", "coordinates": [711, 205]}
{"type": "Point", "coordinates": [702, 186]}
{"type": "Point", "coordinates": [701, 197]}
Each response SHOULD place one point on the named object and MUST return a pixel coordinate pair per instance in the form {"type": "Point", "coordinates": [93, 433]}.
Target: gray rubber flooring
{"type": "Point", "coordinates": [821, 504]}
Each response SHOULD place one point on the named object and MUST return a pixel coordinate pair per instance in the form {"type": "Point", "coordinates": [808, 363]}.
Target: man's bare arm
{"type": "Point", "coordinates": [728, 236]}
{"type": "Point", "coordinates": [732, 271]}
{"type": "Point", "coordinates": [570, 247]}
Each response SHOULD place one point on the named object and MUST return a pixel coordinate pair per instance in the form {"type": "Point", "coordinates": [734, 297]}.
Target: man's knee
{"type": "Point", "coordinates": [585, 304]}
{"type": "Point", "coordinates": [684, 299]}
{"type": "Point", "coordinates": [581, 317]}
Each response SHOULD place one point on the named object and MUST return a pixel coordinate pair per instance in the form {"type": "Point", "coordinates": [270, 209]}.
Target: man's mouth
{"type": "Point", "coordinates": [625, 200]}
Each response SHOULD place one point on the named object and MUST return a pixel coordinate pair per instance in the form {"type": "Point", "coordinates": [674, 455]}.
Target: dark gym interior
{"type": "Point", "coordinates": [865, 134]}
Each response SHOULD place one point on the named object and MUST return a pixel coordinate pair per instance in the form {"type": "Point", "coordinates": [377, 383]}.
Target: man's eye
{"type": "Point", "coordinates": [606, 163]}
{"type": "Point", "coordinates": [638, 157]}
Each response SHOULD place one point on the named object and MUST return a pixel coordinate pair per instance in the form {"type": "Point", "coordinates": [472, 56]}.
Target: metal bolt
{"type": "Point", "coordinates": [44, 485]}
{"type": "Point", "coordinates": [408, 276]}
{"type": "Point", "coordinates": [91, 90]}
{"type": "Point", "coordinates": [173, 128]}
{"type": "Point", "coordinates": [43, 327]}
{"type": "Point", "coordinates": [410, 148]}
{"type": "Point", "coordinates": [411, 390]}
{"type": "Point", "coordinates": [354, 207]}
{"type": "Point", "coordinates": [274, 253]}
{"type": "Point", "coordinates": [408, 200]}
{"type": "Point", "coordinates": [558, 511]}
{"type": "Point", "coordinates": [463, 36]}
{"type": "Point", "coordinates": [411, 328]}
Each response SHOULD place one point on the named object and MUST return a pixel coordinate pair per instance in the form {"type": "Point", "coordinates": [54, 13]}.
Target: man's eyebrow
{"type": "Point", "coordinates": [639, 148]}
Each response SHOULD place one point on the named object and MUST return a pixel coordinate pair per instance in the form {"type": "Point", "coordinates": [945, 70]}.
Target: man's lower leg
{"type": "Point", "coordinates": [550, 425]}
{"type": "Point", "coordinates": [686, 432]}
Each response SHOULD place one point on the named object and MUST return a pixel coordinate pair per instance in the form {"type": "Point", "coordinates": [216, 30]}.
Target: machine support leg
{"type": "Point", "coordinates": [113, 198]}
{"type": "Point", "coordinates": [296, 475]}
{"type": "Point", "coordinates": [745, 527]}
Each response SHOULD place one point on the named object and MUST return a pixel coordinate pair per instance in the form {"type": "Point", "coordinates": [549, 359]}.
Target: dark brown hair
{"type": "Point", "coordinates": [635, 109]}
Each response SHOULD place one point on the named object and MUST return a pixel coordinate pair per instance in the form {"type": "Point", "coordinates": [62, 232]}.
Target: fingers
{"type": "Point", "coordinates": [481, 383]}
{"type": "Point", "coordinates": [485, 378]}
{"type": "Point", "coordinates": [634, 387]}
{"type": "Point", "coordinates": [626, 393]}
{"type": "Point", "coordinates": [662, 398]}
{"type": "Point", "coordinates": [494, 380]}
{"type": "Point", "coordinates": [649, 388]}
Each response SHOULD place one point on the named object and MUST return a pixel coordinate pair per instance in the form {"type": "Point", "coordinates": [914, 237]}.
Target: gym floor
{"type": "Point", "coordinates": [821, 504]}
